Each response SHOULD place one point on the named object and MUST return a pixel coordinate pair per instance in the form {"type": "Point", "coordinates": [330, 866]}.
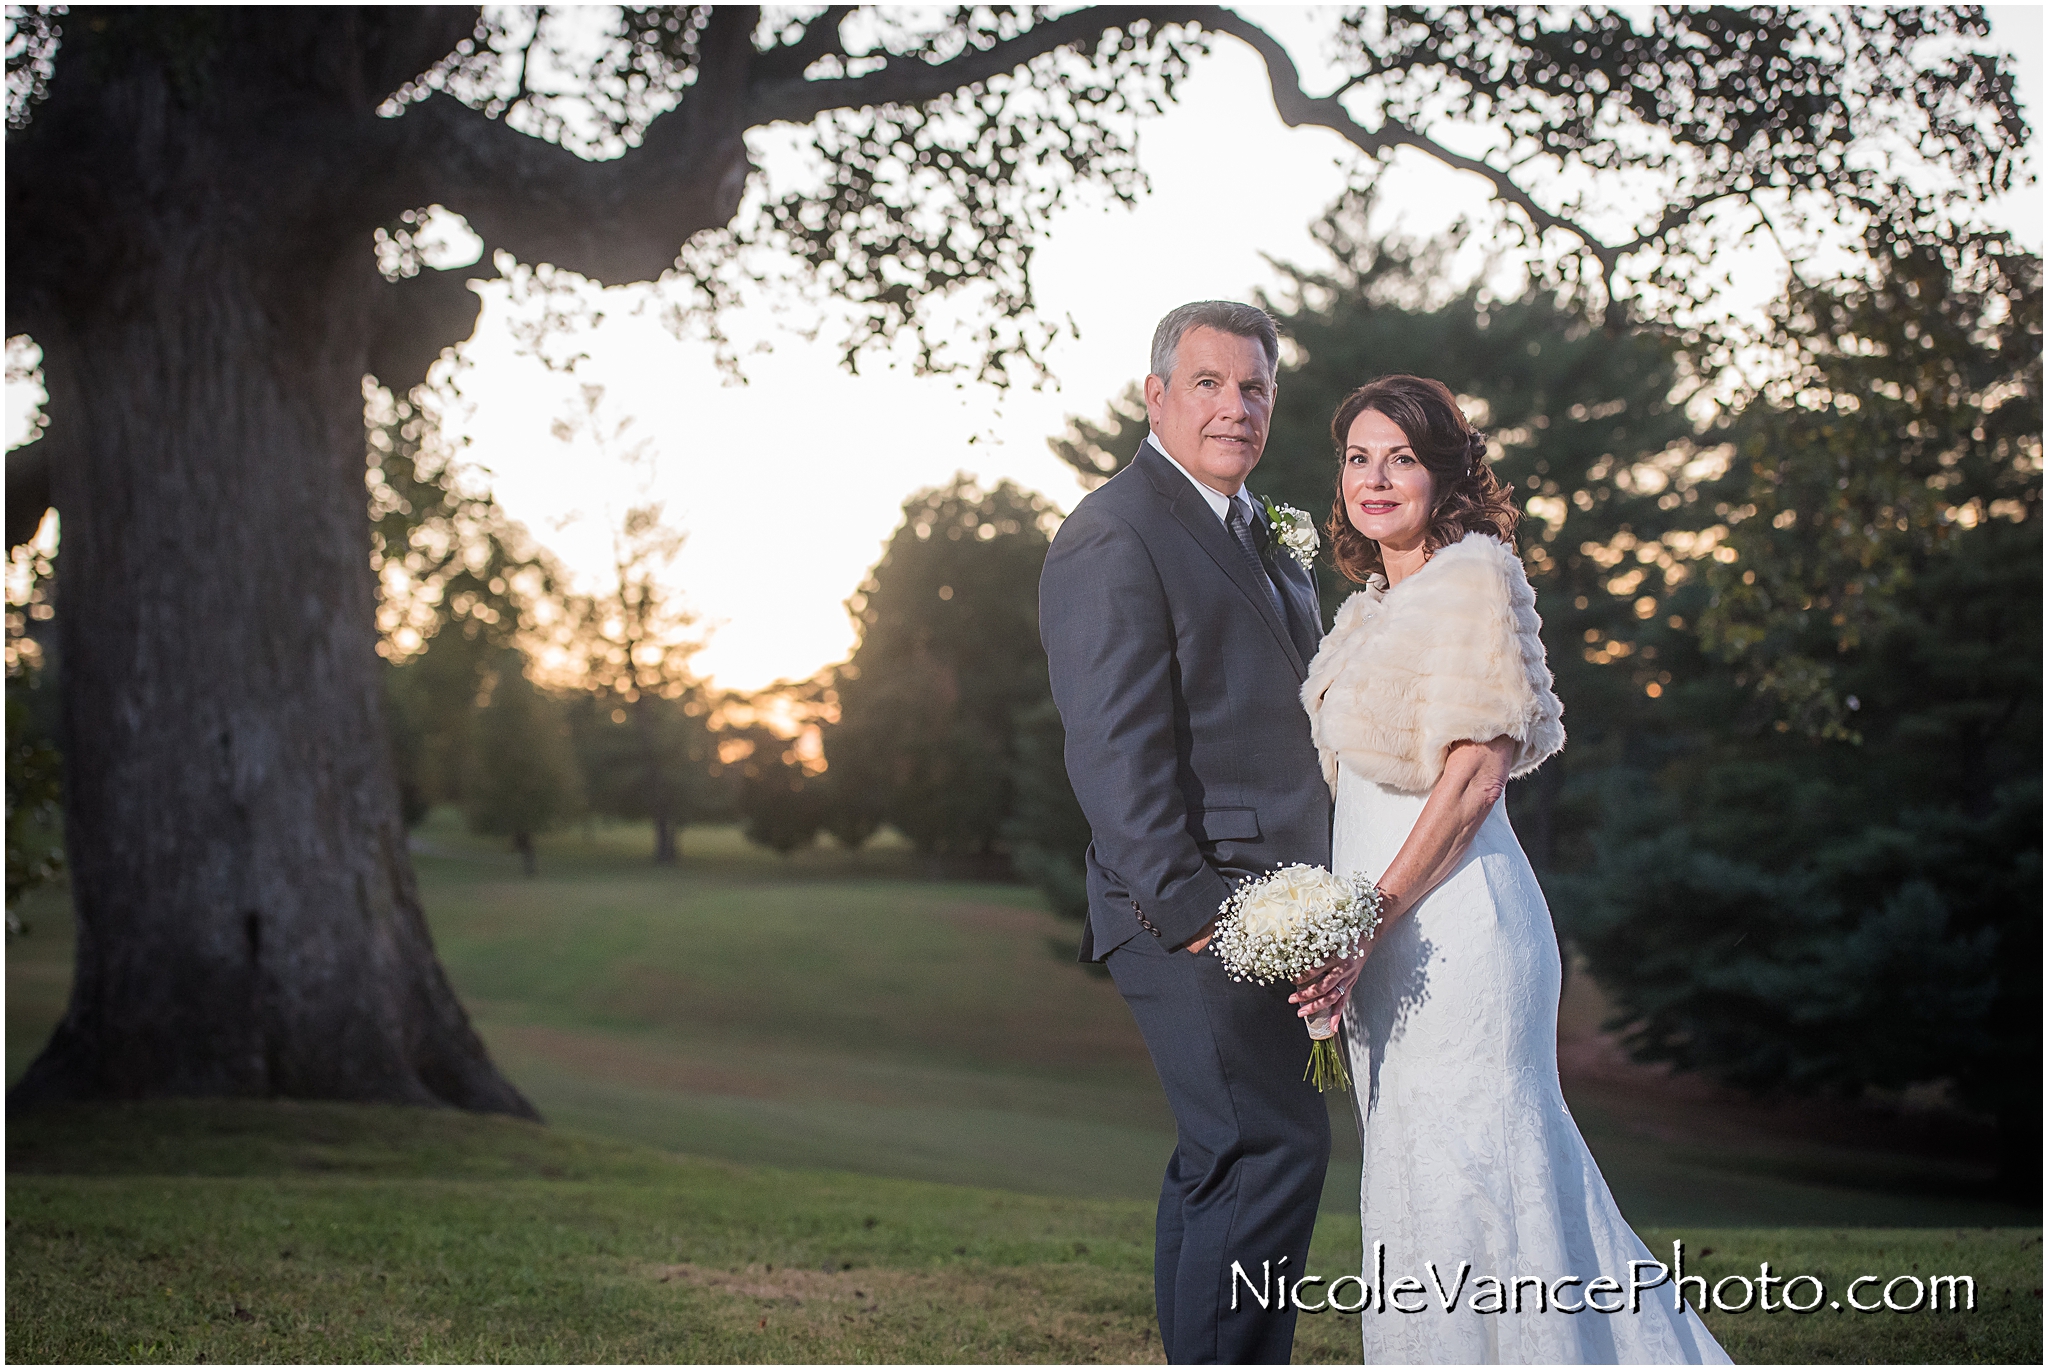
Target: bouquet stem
{"type": "Point", "coordinates": [1325, 1059]}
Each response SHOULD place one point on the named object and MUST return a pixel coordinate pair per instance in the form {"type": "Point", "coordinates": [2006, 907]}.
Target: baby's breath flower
{"type": "Point", "coordinates": [1294, 530]}
{"type": "Point", "coordinates": [1292, 921]}
{"type": "Point", "coordinates": [1298, 919]}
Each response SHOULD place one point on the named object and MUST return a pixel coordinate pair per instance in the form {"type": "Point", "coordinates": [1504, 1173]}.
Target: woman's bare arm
{"type": "Point", "coordinates": [1474, 776]}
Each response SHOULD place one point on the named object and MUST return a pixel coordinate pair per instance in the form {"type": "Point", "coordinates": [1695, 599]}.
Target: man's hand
{"type": "Point", "coordinates": [1201, 939]}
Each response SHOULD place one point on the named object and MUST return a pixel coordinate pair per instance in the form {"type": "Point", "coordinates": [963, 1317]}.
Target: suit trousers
{"type": "Point", "coordinates": [1247, 1171]}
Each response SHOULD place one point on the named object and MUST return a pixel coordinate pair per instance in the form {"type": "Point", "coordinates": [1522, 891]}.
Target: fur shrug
{"type": "Point", "coordinates": [1451, 655]}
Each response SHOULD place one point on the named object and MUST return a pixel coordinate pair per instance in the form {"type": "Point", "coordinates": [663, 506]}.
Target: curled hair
{"type": "Point", "coordinates": [1468, 497]}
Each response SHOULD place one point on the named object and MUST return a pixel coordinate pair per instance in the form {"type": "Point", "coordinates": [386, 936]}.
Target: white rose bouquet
{"type": "Point", "coordinates": [1296, 920]}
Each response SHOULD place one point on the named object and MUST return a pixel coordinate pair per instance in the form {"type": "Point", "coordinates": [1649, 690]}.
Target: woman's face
{"type": "Point", "coordinates": [1388, 492]}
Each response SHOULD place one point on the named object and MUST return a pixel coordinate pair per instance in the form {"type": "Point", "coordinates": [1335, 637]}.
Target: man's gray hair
{"type": "Point", "coordinates": [1225, 316]}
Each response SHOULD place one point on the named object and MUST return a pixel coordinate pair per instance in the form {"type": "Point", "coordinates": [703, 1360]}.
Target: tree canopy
{"type": "Point", "coordinates": [1626, 145]}
{"type": "Point", "coordinates": [948, 658]}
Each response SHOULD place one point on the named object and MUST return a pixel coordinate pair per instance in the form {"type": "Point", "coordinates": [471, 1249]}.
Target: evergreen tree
{"type": "Point", "coordinates": [1832, 880]}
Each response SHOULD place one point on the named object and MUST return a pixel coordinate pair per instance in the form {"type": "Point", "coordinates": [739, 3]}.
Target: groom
{"type": "Point", "coordinates": [1179, 634]}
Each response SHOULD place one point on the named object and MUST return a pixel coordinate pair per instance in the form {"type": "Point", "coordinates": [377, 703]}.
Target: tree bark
{"type": "Point", "coordinates": [247, 918]}
{"type": "Point", "coordinates": [248, 922]}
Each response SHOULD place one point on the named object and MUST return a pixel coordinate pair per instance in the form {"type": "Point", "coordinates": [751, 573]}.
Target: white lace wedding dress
{"type": "Point", "coordinates": [1470, 1153]}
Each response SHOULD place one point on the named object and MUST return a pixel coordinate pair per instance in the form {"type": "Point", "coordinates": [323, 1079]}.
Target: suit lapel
{"type": "Point", "coordinates": [1208, 531]}
{"type": "Point", "coordinates": [1305, 614]}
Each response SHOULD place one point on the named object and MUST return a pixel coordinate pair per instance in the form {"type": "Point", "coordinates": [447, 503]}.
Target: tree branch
{"type": "Point", "coordinates": [820, 38]}
{"type": "Point", "coordinates": [28, 488]}
{"type": "Point", "coordinates": [627, 218]}
{"type": "Point", "coordinates": [906, 81]}
{"type": "Point", "coordinates": [394, 45]}
{"type": "Point", "coordinates": [1678, 213]}
{"type": "Point", "coordinates": [624, 219]}
{"type": "Point", "coordinates": [416, 318]}
{"type": "Point", "coordinates": [1296, 108]}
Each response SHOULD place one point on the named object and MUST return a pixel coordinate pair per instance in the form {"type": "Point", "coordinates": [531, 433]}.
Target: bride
{"type": "Point", "coordinates": [1429, 694]}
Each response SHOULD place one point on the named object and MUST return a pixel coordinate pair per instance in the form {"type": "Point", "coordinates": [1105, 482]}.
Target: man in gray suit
{"type": "Point", "coordinates": [1179, 635]}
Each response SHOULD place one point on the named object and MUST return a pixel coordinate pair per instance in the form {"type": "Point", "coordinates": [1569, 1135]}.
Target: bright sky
{"type": "Point", "coordinates": [789, 485]}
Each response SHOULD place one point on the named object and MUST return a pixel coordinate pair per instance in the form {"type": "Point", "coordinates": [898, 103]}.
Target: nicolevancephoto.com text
{"type": "Point", "coordinates": [1459, 1289]}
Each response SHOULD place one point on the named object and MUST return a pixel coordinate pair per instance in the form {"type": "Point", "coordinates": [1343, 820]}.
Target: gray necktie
{"type": "Point", "coordinates": [1241, 534]}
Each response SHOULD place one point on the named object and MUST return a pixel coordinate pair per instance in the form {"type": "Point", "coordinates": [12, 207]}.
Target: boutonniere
{"type": "Point", "coordinates": [1294, 530]}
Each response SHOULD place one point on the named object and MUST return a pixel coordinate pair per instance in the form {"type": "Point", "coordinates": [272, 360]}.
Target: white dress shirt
{"type": "Point", "coordinates": [1216, 499]}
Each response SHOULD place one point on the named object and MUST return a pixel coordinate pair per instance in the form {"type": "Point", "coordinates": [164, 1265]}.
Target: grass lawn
{"type": "Point", "coordinates": [746, 1059]}
{"type": "Point", "coordinates": [253, 1231]}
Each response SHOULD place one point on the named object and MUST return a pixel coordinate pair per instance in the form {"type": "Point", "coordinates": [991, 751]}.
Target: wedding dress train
{"type": "Point", "coordinates": [1471, 1156]}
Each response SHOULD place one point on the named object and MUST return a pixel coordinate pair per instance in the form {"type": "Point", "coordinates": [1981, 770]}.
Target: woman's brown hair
{"type": "Point", "coordinates": [1469, 498]}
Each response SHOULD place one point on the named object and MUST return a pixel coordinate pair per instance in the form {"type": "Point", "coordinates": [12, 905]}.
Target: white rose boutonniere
{"type": "Point", "coordinates": [1294, 530]}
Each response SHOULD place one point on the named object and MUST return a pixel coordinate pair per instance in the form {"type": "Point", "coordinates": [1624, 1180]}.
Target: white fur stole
{"type": "Point", "coordinates": [1451, 655]}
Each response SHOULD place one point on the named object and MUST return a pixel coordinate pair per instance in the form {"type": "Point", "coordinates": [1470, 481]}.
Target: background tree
{"type": "Point", "coordinates": [1047, 832]}
{"type": "Point", "coordinates": [643, 736]}
{"type": "Point", "coordinates": [947, 659]}
{"type": "Point", "coordinates": [191, 199]}
{"type": "Point", "coordinates": [849, 799]}
{"type": "Point", "coordinates": [523, 779]}
{"type": "Point", "coordinates": [459, 583]}
{"type": "Point", "coordinates": [856, 787]}
{"type": "Point", "coordinates": [35, 796]}
{"type": "Point", "coordinates": [1835, 882]}
{"type": "Point", "coordinates": [770, 764]}
{"type": "Point", "coordinates": [784, 804]}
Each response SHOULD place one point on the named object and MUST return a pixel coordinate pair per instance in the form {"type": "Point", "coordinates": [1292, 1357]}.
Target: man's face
{"type": "Point", "coordinates": [1212, 413]}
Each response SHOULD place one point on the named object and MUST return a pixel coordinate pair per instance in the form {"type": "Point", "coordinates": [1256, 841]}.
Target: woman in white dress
{"type": "Point", "coordinates": [1429, 694]}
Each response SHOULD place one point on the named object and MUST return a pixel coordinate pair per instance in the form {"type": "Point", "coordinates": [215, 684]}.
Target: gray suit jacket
{"type": "Point", "coordinates": [1179, 687]}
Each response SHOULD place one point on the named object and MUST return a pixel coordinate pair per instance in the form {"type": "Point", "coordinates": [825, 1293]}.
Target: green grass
{"type": "Point", "coordinates": [326, 1232]}
{"type": "Point", "coordinates": [744, 1058]}
{"type": "Point", "coordinates": [2005, 1327]}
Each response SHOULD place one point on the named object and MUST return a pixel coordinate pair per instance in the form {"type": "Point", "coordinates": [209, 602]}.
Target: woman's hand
{"type": "Point", "coordinates": [1325, 991]}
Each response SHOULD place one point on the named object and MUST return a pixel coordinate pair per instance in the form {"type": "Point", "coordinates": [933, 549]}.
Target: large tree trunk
{"type": "Point", "coordinates": [248, 922]}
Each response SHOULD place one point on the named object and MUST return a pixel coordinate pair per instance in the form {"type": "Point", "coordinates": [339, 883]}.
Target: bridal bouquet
{"type": "Point", "coordinates": [1293, 921]}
